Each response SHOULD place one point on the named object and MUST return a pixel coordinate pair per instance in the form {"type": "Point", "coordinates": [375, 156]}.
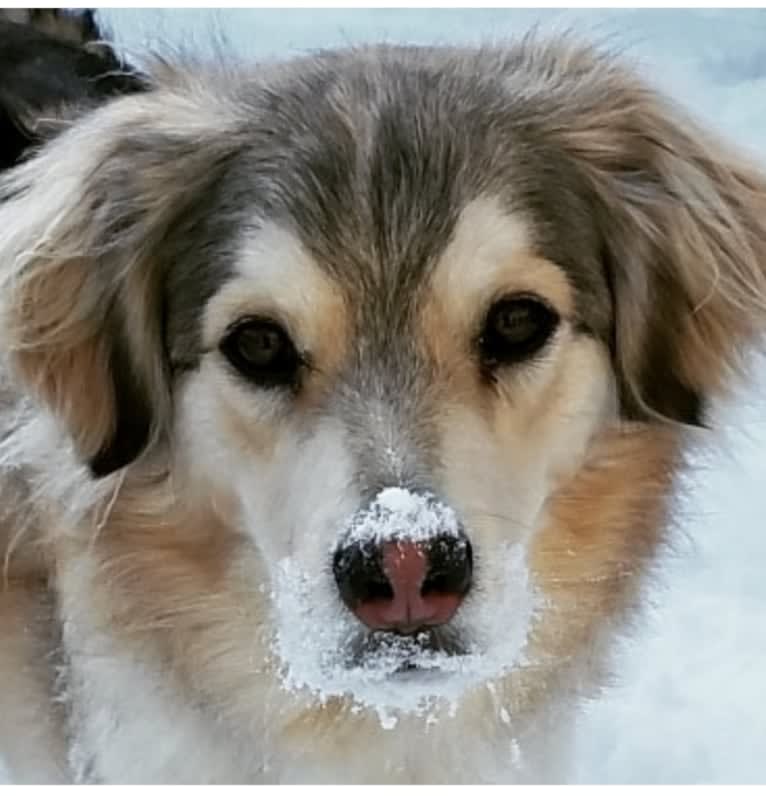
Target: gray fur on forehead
{"type": "Point", "coordinates": [369, 156]}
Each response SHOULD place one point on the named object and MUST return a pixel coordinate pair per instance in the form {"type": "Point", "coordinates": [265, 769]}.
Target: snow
{"type": "Point", "coordinates": [689, 704]}
{"type": "Point", "coordinates": [403, 515]}
{"type": "Point", "coordinates": [323, 653]}
{"type": "Point", "coordinates": [327, 657]}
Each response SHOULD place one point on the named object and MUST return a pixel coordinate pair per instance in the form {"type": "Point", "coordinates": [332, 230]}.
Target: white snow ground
{"type": "Point", "coordinates": [690, 705]}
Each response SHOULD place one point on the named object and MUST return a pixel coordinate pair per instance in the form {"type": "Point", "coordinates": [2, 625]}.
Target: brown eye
{"type": "Point", "coordinates": [515, 329]}
{"type": "Point", "coordinates": [262, 351]}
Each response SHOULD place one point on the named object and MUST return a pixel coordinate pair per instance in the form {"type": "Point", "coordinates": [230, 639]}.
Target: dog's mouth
{"type": "Point", "coordinates": [323, 651]}
{"type": "Point", "coordinates": [424, 650]}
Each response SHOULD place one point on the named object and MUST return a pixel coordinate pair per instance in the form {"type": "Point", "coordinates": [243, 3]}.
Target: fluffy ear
{"type": "Point", "coordinates": [82, 228]}
{"type": "Point", "coordinates": [683, 226]}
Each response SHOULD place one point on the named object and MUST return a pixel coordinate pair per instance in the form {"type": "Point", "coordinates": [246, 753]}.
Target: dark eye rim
{"type": "Point", "coordinates": [526, 352]}
{"type": "Point", "coordinates": [288, 371]}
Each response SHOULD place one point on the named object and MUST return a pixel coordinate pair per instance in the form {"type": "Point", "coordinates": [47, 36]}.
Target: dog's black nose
{"type": "Point", "coordinates": [404, 585]}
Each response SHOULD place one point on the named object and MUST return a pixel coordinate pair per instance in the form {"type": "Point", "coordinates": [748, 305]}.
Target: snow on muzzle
{"type": "Point", "coordinates": [416, 565]}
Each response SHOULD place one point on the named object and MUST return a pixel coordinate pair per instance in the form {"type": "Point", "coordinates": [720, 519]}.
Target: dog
{"type": "Point", "coordinates": [53, 65]}
{"type": "Point", "coordinates": [344, 403]}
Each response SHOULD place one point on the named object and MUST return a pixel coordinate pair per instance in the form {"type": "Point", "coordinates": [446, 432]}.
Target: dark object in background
{"type": "Point", "coordinates": [53, 65]}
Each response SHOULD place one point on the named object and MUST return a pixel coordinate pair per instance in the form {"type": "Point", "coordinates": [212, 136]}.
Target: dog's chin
{"type": "Point", "coordinates": [406, 655]}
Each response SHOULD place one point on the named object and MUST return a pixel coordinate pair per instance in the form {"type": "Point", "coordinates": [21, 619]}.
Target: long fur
{"type": "Point", "coordinates": [110, 516]}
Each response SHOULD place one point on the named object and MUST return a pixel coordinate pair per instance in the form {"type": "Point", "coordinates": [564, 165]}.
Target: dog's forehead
{"type": "Point", "coordinates": [366, 179]}
{"type": "Point", "coordinates": [371, 158]}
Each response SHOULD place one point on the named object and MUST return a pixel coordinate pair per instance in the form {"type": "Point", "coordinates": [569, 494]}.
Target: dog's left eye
{"type": "Point", "coordinates": [262, 351]}
{"type": "Point", "coordinates": [515, 328]}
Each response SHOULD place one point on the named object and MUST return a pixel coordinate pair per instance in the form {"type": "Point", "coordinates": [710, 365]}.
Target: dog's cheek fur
{"type": "Point", "coordinates": [285, 477]}
{"type": "Point", "coordinates": [186, 566]}
{"type": "Point", "coordinates": [585, 494]}
{"type": "Point", "coordinates": [602, 530]}
{"type": "Point", "coordinates": [501, 463]}
{"type": "Point", "coordinates": [183, 590]}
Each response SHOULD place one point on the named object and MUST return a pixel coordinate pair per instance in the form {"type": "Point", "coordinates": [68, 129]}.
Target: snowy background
{"type": "Point", "coordinates": [690, 704]}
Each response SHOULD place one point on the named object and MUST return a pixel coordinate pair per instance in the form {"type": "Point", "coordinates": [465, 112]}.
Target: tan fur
{"type": "Point", "coordinates": [278, 279]}
{"type": "Point", "coordinates": [41, 309]}
{"type": "Point", "coordinates": [503, 249]}
{"type": "Point", "coordinates": [61, 348]}
{"type": "Point", "coordinates": [503, 262]}
{"type": "Point", "coordinates": [164, 574]}
{"type": "Point", "coordinates": [602, 528]}
{"type": "Point", "coordinates": [708, 249]}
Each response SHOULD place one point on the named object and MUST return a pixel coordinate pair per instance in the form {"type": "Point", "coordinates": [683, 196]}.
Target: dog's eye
{"type": "Point", "coordinates": [262, 351]}
{"type": "Point", "coordinates": [514, 329]}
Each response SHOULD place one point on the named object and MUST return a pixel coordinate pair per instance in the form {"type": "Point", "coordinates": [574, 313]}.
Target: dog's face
{"type": "Point", "coordinates": [420, 326]}
{"type": "Point", "coordinates": [463, 376]}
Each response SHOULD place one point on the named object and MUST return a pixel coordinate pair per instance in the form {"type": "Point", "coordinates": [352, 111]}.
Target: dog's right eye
{"type": "Point", "coordinates": [262, 351]}
{"type": "Point", "coordinates": [516, 328]}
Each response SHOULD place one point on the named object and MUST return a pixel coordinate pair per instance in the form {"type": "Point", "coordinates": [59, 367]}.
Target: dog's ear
{"type": "Point", "coordinates": [683, 229]}
{"type": "Point", "coordinates": [82, 228]}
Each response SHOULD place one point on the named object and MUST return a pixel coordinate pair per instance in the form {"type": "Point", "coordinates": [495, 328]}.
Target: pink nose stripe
{"type": "Point", "coordinates": [405, 564]}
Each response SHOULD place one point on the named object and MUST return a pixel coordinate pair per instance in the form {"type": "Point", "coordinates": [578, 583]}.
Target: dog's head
{"type": "Point", "coordinates": [425, 326]}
